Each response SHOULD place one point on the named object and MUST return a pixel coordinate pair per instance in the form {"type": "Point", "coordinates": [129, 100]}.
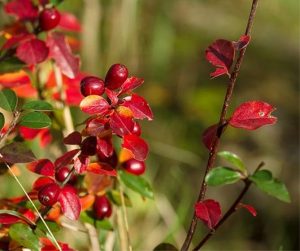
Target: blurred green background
{"type": "Point", "coordinates": [163, 41]}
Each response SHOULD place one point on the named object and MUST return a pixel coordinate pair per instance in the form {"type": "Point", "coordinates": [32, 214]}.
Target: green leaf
{"type": "Point", "coordinates": [86, 216]}
{"type": "Point", "coordinates": [53, 226]}
{"type": "Point", "coordinates": [8, 100]}
{"type": "Point", "coordinates": [137, 184]}
{"type": "Point", "coordinates": [164, 247]}
{"type": "Point", "coordinates": [222, 176]}
{"type": "Point", "coordinates": [104, 224]}
{"type": "Point", "coordinates": [38, 105]}
{"type": "Point", "coordinates": [115, 197]}
{"type": "Point", "coordinates": [233, 159]}
{"type": "Point", "coordinates": [17, 153]}
{"type": "Point", "coordinates": [2, 120]}
{"type": "Point", "coordinates": [56, 2]}
{"type": "Point", "coordinates": [11, 65]}
{"type": "Point", "coordinates": [24, 235]}
{"type": "Point", "coordinates": [35, 120]}
{"type": "Point", "coordinates": [264, 181]}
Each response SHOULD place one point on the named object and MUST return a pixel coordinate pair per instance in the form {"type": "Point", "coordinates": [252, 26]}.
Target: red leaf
{"type": "Point", "coordinates": [81, 163]}
{"type": "Point", "coordinates": [208, 136]}
{"type": "Point", "coordinates": [242, 43]}
{"type": "Point", "coordinates": [94, 104]}
{"type": "Point", "coordinates": [23, 9]}
{"type": "Point", "coordinates": [121, 124]}
{"type": "Point", "coordinates": [42, 167]}
{"type": "Point", "coordinates": [252, 115]}
{"type": "Point", "coordinates": [250, 208]}
{"type": "Point", "coordinates": [33, 51]}
{"type": "Point", "coordinates": [98, 127]}
{"type": "Point", "coordinates": [112, 96]}
{"type": "Point", "coordinates": [41, 182]}
{"type": "Point", "coordinates": [208, 211]}
{"type": "Point", "coordinates": [73, 138]}
{"type": "Point", "coordinates": [102, 169]}
{"type": "Point", "coordinates": [69, 202]}
{"type": "Point", "coordinates": [30, 133]}
{"type": "Point", "coordinates": [16, 39]}
{"type": "Point", "coordinates": [139, 107]}
{"type": "Point", "coordinates": [130, 84]}
{"type": "Point", "coordinates": [220, 54]}
{"type": "Point", "coordinates": [48, 245]}
{"type": "Point", "coordinates": [137, 146]}
{"type": "Point", "coordinates": [69, 22]}
{"type": "Point", "coordinates": [65, 159]}
{"type": "Point", "coordinates": [15, 79]}
{"type": "Point", "coordinates": [105, 147]}
{"type": "Point", "coordinates": [61, 52]}
{"type": "Point", "coordinates": [8, 219]}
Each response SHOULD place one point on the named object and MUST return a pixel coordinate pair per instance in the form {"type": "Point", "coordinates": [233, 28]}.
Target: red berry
{"type": "Point", "coordinates": [116, 76]}
{"type": "Point", "coordinates": [102, 207]}
{"type": "Point", "coordinates": [137, 129]}
{"type": "Point", "coordinates": [62, 173]}
{"type": "Point", "coordinates": [92, 86]}
{"type": "Point", "coordinates": [134, 166]}
{"type": "Point", "coordinates": [88, 146]}
{"type": "Point", "coordinates": [48, 195]}
{"type": "Point", "coordinates": [49, 19]}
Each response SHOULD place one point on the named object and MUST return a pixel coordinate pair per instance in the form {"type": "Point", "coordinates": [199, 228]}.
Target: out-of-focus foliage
{"type": "Point", "coordinates": [164, 42]}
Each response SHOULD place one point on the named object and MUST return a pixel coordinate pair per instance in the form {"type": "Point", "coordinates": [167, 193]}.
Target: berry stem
{"type": "Point", "coordinates": [33, 205]}
{"type": "Point", "coordinates": [229, 212]}
{"type": "Point", "coordinates": [222, 121]}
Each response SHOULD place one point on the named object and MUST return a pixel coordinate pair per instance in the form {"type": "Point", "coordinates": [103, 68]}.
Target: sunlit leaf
{"type": "Point", "coordinates": [233, 159]}
{"type": "Point", "coordinates": [24, 235]}
{"type": "Point", "coordinates": [94, 104]}
{"type": "Point", "coordinates": [139, 107]}
{"type": "Point", "coordinates": [264, 180]}
{"type": "Point", "coordinates": [38, 105]}
{"type": "Point", "coordinates": [137, 184]}
{"type": "Point", "coordinates": [35, 120]}
{"type": "Point", "coordinates": [8, 100]}
{"type": "Point", "coordinates": [222, 176]}
{"type": "Point", "coordinates": [137, 146]}
{"type": "Point", "coordinates": [69, 202]}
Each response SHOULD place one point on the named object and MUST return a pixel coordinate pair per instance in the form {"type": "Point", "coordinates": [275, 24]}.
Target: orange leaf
{"type": "Point", "coordinates": [87, 201]}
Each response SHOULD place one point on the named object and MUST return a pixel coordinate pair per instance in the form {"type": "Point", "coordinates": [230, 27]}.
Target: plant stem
{"type": "Point", "coordinates": [3, 135]}
{"type": "Point", "coordinates": [222, 121]}
{"type": "Point", "coordinates": [229, 212]}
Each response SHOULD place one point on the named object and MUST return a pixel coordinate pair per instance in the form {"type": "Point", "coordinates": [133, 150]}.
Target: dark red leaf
{"type": "Point", "coordinates": [221, 55]}
{"type": "Point", "coordinates": [17, 152]}
{"type": "Point", "coordinates": [94, 104]}
{"type": "Point", "coordinates": [42, 166]}
{"type": "Point", "coordinates": [112, 96]}
{"type": "Point", "coordinates": [208, 211]}
{"type": "Point", "coordinates": [16, 39]}
{"type": "Point", "coordinates": [22, 9]}
{"type": "Point", "coordinates": [81, 163]}
{"type": "Point", "coordinates": [33, 51]}
{"type": "Point", "coordinates": [242, 43]}
{"type": "Point", "coordinates": [101, 169]}
{"type": "Point", "coordinates": [130, 84]}
{"type": "Point", "coordinates": [61, 52]}
{"type": "Point", "coordinates": [69, 202]}
{"type": "Point", "coordinates": [137, 146]}
{"type": "Point", "coordinates": [66, 159]}
{"type": "Point", "coordinates": [41, 182]}
{"type": "Point", "coordinates": [252, 115]}
{"type": "Point", "coordinates": [249, 208]}
{"type": "Point", "coordinates": [98, 127]}
{"type": "Point", "coordinates": [104, 146]}
{"type": "Point", "coordinates": [69, 22]}
{"type": "Point", "coordinates": [73, 138]}
{"type": "Point", "coordinates": [121, 124]}
{"type": "Point", "coordinates": [139, 107]}
{"type": "Point", "coordinates": [8, 219]}
{"type": "Point", "coordinates": [49, 246]}
{"type": "Point", "coordinates": [208, 136]}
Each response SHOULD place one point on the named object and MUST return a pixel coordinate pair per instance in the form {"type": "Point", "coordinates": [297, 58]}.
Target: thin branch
{"type": "Point", "coordinates": [222, 121]}
{"type": "Point", "coordinates": [11, 127]}
{"type": "Point", "coordinates": [229, 212]}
